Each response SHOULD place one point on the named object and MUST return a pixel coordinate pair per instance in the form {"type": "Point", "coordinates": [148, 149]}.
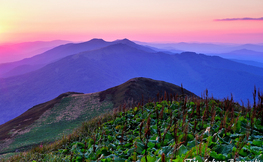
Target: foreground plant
{"type": "Point", "coordinates": [174, 129]}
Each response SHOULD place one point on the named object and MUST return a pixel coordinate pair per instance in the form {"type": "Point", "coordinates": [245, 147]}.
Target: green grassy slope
{"type": "Point", "coordinates": [173, 129]}
{"type": "Point", "coordinates": [52, 120]}
{"type": "Point", "coordinates": [60, 120]}
{"type": "Point", "coordinates": [12, 127]}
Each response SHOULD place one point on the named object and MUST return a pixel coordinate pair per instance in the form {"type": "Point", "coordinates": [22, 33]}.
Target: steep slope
{"type": "Point", "coordinates": [70, 109]}
{"type": "Point", "coordinates": [100, 69]}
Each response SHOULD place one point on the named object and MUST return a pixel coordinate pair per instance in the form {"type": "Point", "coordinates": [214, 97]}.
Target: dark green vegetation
{"type": "Point", "coordinates": [49, 121]}
{"type": "Point", "coordinates": [173, 128]}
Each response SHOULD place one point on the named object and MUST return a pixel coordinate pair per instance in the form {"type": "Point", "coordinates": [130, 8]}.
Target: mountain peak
{"type": "Point", "coordinates": [97, 40]}
{"type": "Point", "coordinates": [188, 53]}
{"type": "Point", "coordinates": [132, 44]}
{"type": "Point", "coordinates": [125, 41]}
{"type": "Point", "coordinates": [137, 87]}
{"type": "Point", "coordinates": [118, 46]}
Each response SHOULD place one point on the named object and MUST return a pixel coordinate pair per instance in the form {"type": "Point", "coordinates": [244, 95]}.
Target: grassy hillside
{"type": "Point", "coordinates": [52, 120]}
{"type": "Point", "coordinates": [58, 121]}
{"type": "Point", "coordinates": [174, 128]}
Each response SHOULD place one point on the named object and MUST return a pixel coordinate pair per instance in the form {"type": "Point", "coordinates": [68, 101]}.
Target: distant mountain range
{"type": "Point", "coordinates": [247, 62]}
{"type": "Point", "coordinates": [38, 61]}
{"type": "Point", "coordinates": [48, 121]}
{"type": "Point", "coordinates": [97, 65]}
{"type": "Point", "coordinates": [14, 52]}
{"type": "Point", "coordinates": [246, 52]}
{"type": "Point", "coordinates": [190, 47]}
{"type": "Point", "coordinates": [213, 48]}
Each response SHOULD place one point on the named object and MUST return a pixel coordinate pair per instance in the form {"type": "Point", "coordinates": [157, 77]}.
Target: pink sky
{"type": "Point", "coordinates": [147, 20]}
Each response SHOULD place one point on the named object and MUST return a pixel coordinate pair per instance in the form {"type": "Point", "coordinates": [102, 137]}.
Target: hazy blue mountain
{"type": "Point", "coordinates": [193, 47]}
{"type": "Point", "coordinates": [252, 63]}
{"type": "Point", "coordinates": [207, 48]}
{"type": "Point", "coordinates": [244, 54]}
{"type": "Point", "coordinates": [168, 50]}
{"type": "Point", "coordinates": [22, 69]}
{"type": "Point", "coordinates": [132, 44]}
{"type": "Point", "coordinates": [52, 55]}
{"type": "Point", "coordinates": [97, 70]}
{"type": "Point", "coordinates": [39, 61]}
{"type": "Point", "coordinates": [252, 47]}
{"type": "Point", "coordinates": [17, 51]}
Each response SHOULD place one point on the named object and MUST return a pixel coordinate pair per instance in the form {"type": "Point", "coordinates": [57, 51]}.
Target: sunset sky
{"type": "Point", "coordinates": [225, 21]}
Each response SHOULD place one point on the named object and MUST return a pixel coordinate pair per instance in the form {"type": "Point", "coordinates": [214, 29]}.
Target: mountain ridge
{"type": "Point", "coordinates": [38, 61]}
{"type": "Point", "coordinates": [244, 54]}
{"type": "Point", "coordinates": [96, 70]}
